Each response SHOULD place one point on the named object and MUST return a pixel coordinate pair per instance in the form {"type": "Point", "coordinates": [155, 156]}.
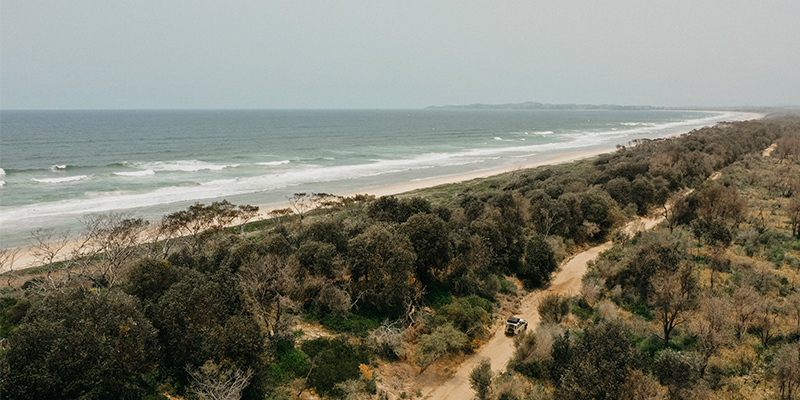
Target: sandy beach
{"type": "Point", "coordinates": [25, 258]}
{"type": "Point", "coordinates": [426, 183]}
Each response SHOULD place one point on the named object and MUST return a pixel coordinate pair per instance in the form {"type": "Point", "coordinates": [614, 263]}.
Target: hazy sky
{"type": "Point", "coordinates": [396, 54]}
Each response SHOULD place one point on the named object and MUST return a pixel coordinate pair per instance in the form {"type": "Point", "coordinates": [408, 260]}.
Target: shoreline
{"type": "Point", "coordinates": [398, 188]}
{"type": "Point", "coordinates": [25, 259]}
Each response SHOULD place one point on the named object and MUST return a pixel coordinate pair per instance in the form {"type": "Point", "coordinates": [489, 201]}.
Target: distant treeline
{"type": "Point", "coordinates": [202, 307]}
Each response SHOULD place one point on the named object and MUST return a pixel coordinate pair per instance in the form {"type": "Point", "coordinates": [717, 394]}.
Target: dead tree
{"type": "Point", "coordinates": [47, 247]}
{"type": "Point", "coordinates": [110, 242]}
{"type": "Point", "coordinates": [7, 259]}
{"type": "Point", "coordinates": [673, 297]}
{"type": "Point", "coordinates": [216, 382]}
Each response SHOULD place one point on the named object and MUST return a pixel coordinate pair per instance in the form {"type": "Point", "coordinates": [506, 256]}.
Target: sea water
{"type": "Point", "coordinates": [58, 166]}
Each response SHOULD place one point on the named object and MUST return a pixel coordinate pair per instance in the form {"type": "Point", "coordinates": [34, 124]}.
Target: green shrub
{"type": "Point", "coordinates": [289, 364]}
{"type": "Point", "coordinates": [775, 254]}
{"type": "Point", "coordinates": [480, 379]}
{"type": "Point", "coordinates": [356, 324]}
{"type": "Point", "coordinates": [80, 344]}
{"type": "Point", "coordinates": [437, 297]}
{"type": "Point", "coordinates": [639, 309]}
{"type": "Point", "coordinates": [596, 365]}
{"type": "Point", "coordinates": [371, 386]}
{"type": "Point", "coordinates": [677, 370]}
{"type": "Point", "coordinates": [528, 359]}
{"type": "Point", "coordinates": [11, 313]}
{"type": "Point", "coordinates": [771, 238]}
{"type": "Point", "coordinates": [649, 346]}
{"type": "Point", "coordinates": [507, 287]}
{"type": "Point", "coordinates": [332, 361]}
{"type": "Point", "coordinates": [584, 313]}
{"type": "Point", "coordinates": [469, 314]}
{"type": "Point", "coordinates": [444, 339]}
{"type": "Point", "coordinates": [553, 308]}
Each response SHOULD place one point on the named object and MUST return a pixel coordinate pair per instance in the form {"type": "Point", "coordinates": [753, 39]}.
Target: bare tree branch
{"type": "Point", "coordinates": [215, 382]}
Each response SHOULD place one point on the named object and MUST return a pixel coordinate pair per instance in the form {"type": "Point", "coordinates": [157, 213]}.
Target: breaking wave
{"type": "Point", "coordinates": [61, 180]}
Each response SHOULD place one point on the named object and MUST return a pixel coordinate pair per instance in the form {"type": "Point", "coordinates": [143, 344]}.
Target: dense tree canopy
{"type": "Point", "coordinates": [80, 344]}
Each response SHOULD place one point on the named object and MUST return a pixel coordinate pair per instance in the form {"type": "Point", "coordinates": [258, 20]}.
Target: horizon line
{"type": "Point", "coordinates": [464, 107]}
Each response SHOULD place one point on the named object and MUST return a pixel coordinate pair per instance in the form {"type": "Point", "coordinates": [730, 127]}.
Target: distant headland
{"type": "Point", "coordinates": [530, 105]}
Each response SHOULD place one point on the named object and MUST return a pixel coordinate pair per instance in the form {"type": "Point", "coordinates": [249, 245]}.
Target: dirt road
{"type": "Point", "coordinates": [500, 347]}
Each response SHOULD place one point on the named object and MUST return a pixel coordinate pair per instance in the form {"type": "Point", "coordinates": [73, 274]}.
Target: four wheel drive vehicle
{"type": "Point", "coordinates": [514, 325]}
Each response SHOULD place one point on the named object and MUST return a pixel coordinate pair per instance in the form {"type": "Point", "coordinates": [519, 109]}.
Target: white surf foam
{"type": "Point", "coordinates": [271, 163]}
{"type": "Point", "coordinates": [543, 133]}
{"type": "Point", "coordinates": [2, 172]}
{"type": "Point", "coordinates": [638, 123]}
{"type": "Point", "coordinates": [498, 138]}
{"type": "Point", "coordinates": [667, 128]}
{"type": "Point", "coordinates": [58, 167]}
{"type": "Point", "coordinates": [182, 166]}
{"type": "Point", "coordinates": [124, 200]}
{"type": "Point", "coordinates": [136, 173]}
{"type": "Point", "coordinates": [61, 180]}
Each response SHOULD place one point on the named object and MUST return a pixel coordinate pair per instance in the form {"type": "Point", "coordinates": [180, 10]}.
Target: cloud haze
{"type": "Point", "coordinates": [367, 54]}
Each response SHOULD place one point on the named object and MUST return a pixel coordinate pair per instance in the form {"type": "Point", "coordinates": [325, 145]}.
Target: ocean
{"type": "Point", "coordinates": [58, 166]}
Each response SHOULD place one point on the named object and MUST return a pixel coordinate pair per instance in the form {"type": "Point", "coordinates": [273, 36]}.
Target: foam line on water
{"type": "Point", "coordinates": [272, 163]}
{"type": "Point", "coordinates": [182, 166]}
{"type": "Point", "coordinates": [136, 173]}
{"type": "Point", "coordinates": [61, 180]}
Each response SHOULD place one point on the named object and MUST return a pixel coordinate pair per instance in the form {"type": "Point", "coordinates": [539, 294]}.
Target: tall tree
{"type": "Point", "coordinates": [744, 302]}
{"type": "Point", "coordinates": [430, 237]}
{"type": "Point", "coordinates": [382, 267]}
{"type": "Point", "coordinates": [600, 364]}
{"type": "Point", "coordinates": [793, 211]}
{"type": "Point", "coordinates": [538, 264]}
{"type": "Point", "coordinates": [267, 282]}
{"type": "Point", "coordinates": [673, 297]}
{"type": "Point", "coordinates": [712, 328]}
